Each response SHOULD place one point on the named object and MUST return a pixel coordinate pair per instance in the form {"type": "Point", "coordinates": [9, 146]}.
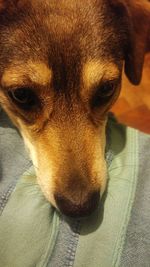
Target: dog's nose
{"type": "Point", "coordinates": [71, 209]}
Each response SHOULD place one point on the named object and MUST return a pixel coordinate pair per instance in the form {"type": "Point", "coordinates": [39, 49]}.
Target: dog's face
{"type": "Point", "coordinates": [60, 72]}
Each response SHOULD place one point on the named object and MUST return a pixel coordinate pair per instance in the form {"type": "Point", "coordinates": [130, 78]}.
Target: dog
{"type": "Point", "coordinates": [60, 73]}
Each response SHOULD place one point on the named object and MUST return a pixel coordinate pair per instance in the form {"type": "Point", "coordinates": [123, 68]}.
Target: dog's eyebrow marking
{"type": "Point", "coordinates": [33, 72]}
{"type": "Point", "coordinates": [96, 70]}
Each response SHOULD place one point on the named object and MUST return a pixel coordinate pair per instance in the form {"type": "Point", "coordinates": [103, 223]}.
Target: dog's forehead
{"type": "Point", "coordinates": [48, 27]}
{"type": "Point", "coordinates": [69, 27]}
{"type": "Point", "coordinates": [63, 36]}
{"type": "Point", "coordinates": [76, 26]}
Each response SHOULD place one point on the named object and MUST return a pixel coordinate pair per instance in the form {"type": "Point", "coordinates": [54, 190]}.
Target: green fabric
{"type": "Point", "coordinates": [100, 244]}
{"type": "Point", "coordinates": [28, 226]}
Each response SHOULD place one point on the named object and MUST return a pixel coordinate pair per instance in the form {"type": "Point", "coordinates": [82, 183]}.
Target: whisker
{"type": "Point", "coordinates": [118, 179]}
{"type": "Point", "coordinates": [110, 194]}
{"type": "Point", "coordinates": [121, 166]}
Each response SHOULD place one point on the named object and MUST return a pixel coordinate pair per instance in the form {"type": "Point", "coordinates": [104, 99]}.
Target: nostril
{"type": "Point", "coordinates": [73, 209]}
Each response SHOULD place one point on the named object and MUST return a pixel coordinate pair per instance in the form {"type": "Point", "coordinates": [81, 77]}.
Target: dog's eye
{"type": "Point", "coordinates": [103, 94]}
{"type": "Point", "coordinates": [24, 98]}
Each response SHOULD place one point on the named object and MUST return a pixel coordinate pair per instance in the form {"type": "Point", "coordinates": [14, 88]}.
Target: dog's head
{"type": "Point", "coordinates": [60, 72]}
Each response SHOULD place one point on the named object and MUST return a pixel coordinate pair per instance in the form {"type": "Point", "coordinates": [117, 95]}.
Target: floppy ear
{"type": "Point", "coordinates": [137, 16]}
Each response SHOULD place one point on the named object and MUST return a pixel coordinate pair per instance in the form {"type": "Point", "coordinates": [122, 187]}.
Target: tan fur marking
{"type": "Point", "coordinates": [36, 72]}
{"type": "Point", "coordinates": [94, 71]}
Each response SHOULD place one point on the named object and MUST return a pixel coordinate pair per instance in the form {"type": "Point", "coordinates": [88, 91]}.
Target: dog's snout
{"type": "Point", "coordinates": [70, 208]}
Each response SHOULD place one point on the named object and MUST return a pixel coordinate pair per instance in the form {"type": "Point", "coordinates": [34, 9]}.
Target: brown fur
{"type": "Point", "coordinates": [64, 52]}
